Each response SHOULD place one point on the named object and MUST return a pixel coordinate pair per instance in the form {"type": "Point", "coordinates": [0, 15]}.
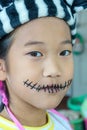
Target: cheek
{"type": "Point", "coordinates": [69, 69]}
{"type": "Point", "coordinates": [25, 69]}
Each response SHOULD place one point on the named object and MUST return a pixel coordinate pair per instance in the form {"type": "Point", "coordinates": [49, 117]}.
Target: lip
{"type": "Point", "coordinates": [51, 88]}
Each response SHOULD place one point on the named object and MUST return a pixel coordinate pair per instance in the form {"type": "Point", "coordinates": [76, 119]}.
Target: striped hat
{"type": "Point", "coordinates": [14, 13]}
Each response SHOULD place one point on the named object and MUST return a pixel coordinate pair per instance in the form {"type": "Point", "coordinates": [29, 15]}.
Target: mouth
{"type": "Point", "coordinates": [54, 88]}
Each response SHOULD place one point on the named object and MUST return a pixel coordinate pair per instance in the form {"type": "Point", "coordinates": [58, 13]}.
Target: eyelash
{"type": "Point", "coordinates": [39, 54]}
{"type": "Point", "coordinates": [65, 53]}
{"type": "Point", "coordinates": [34, 54]}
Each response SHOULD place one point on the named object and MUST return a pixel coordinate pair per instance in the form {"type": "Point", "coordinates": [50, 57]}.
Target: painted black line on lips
{"type": "Point", "coordinates": [50, 89]}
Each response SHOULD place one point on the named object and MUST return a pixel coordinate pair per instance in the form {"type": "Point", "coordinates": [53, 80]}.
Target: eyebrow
{"type": "Point", "coordinates": [40, 42]}
{"type": "Point", "coordinates": [33, 43]}
{"type": "Point", "coordinates": [67, 42]}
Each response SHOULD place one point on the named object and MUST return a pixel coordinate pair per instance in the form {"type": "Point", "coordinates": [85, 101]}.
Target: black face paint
{"type": "Point", "coordinates": [50, 89]}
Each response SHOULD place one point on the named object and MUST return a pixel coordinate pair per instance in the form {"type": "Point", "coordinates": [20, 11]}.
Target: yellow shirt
{"type": "Point", "coordinates": [55, 122]}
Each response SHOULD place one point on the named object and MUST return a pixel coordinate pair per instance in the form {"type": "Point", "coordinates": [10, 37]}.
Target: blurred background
{"type": "Point", "coordinates": [79, 86]}
{"type": "Point", "coordinates": [74, 104]}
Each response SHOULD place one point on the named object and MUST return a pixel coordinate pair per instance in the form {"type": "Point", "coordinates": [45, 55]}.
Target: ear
{"type": "Point", "coordinates": [2, 70]}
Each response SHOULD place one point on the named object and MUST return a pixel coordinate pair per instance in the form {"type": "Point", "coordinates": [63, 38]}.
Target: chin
{"type": "Point", "coordinates": [54, 104]}
{"type": "Point", "coordinates": [51, 105]}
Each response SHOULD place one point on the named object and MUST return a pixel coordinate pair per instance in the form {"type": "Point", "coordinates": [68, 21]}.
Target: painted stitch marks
{"type": "Point", "coordinates": [50, 89]}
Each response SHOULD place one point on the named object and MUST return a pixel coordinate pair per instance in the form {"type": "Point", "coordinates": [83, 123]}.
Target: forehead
{"type": "Point", "coordinates": [46, 29]}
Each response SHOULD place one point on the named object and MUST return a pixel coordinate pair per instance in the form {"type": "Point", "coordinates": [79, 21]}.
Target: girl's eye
{"type": "Point", "coordinates": [35, 54]}
{"type": "Point", "coordinates": [65, 53]}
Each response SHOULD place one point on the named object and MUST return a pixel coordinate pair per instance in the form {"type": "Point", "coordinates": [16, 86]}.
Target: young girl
{"type": "Point", "coordinates": [36, 62]}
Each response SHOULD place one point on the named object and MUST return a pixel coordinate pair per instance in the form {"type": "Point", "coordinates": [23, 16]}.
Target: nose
{"type": "Point", "coordinates": [51, 68]}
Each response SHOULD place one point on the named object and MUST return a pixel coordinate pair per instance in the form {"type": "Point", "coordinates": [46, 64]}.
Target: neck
{"type": "Point", "coordinates": [28, 115]}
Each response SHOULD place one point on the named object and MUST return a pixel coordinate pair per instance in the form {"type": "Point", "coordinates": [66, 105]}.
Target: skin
{"type": "Point", "coordinates": [47, 88]}
{"type": "Point", "coordinates": [51, 64]}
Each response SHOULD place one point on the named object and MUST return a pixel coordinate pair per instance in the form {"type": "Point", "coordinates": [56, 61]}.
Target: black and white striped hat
{"type": "Point", "coordinates": [14, 13]}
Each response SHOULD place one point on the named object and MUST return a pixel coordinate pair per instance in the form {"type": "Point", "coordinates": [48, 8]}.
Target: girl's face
{"type": "Point", "coordinates": [40, 63]}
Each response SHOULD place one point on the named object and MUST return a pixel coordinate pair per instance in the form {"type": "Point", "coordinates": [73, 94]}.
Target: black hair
{"type": "Point", "coordinates": [5, 44]}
